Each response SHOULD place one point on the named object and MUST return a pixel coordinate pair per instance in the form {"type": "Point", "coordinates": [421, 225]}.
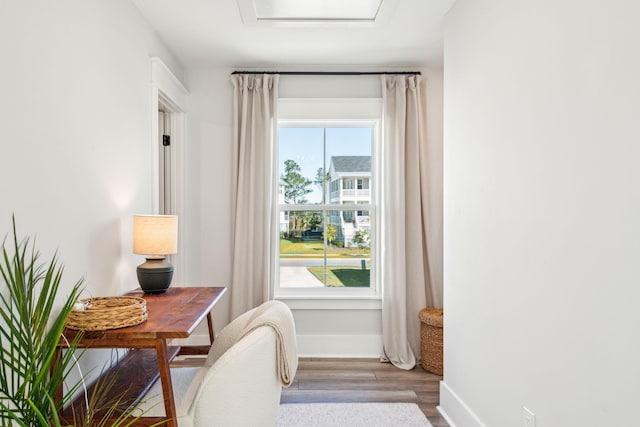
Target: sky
{"type": "Point", "coordinates": [304, 145]}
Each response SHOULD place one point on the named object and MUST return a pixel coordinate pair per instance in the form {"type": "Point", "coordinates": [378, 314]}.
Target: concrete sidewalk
{"type": "Point", "coordinates": [298, 277]}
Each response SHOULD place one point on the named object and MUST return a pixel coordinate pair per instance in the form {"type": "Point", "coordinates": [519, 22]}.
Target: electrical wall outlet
{"type": "Point", "coordinates": [528, 417]}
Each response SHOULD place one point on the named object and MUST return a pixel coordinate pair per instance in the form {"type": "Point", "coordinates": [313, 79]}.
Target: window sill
{"type": "Point", "coordinates": [331, 303]}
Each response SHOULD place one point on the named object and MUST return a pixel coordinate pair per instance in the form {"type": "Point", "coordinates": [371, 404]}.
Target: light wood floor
{"type": "Point", "coordinates": [364, 380]}
{"type": "Point", "coordinates": [359, 380]}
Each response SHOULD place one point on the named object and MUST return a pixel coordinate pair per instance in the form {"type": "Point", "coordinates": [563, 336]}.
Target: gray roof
{"type": "Point", "coordinates": [351, 163]}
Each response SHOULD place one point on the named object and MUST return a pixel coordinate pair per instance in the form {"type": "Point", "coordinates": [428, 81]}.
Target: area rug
{"type": "Point", "coordinates": [351, 415]}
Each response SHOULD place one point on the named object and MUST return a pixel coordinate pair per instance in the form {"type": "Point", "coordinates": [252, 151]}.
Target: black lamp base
{"type": "Point", "coordinates": [155, 275]}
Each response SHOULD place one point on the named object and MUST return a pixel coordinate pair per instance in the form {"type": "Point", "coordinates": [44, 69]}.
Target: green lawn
{"type": "Point", "coordinates": [352, 277]}
{"type": "Point", "coordinates": [315, 249]}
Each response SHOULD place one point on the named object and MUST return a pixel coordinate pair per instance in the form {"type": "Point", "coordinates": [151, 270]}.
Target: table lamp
{"type": "Point", "coordinates": [155, 236]}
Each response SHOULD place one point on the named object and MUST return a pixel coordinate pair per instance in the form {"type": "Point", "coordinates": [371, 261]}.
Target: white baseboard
{"type": "Point", "coordinates": [339, 345]}
{"type": "Point", "coordinates": [455, 411]}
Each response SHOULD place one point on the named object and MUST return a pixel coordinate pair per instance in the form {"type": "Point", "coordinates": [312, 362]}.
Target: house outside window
{"type": "Point", "coordinates": [284, 215]}
{"type": "Point", "coordinates": [351, 169]}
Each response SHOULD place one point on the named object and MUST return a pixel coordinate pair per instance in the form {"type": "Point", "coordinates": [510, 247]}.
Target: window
{"type": "Point", "coordinates": [327, 243]}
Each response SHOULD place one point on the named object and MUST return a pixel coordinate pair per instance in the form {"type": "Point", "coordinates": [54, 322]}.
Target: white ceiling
{"type": "Point", "coordinates": [408, 33]}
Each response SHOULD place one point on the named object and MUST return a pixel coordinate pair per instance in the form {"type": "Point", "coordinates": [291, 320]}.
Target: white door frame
{"type": "Point", "coordinates": [167, 91]}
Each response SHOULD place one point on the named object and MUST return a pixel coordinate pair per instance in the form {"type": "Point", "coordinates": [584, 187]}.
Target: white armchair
{"type": "Point", "coordinates": [239, 386]}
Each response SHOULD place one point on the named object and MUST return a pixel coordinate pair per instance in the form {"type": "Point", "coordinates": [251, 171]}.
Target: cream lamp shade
{"type": "Point", "coordinates": [155, 235]}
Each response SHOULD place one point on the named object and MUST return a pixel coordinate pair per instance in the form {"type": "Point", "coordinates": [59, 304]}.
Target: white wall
{"type": "Point", "coordinates": [541, 213]}
{"type": "Point", "coordinates": [325, 331]}
{"type": "Point", "coordinates": [76, 129]}
{"type": "Point", "coordinates": [208, 183]}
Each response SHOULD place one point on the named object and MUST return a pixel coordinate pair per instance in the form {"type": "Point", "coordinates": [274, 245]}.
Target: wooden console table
{"type": "Point", "coordinates": [173, 314]}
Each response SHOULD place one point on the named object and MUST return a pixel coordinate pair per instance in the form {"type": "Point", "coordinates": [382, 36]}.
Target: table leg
{"type": "Point", "coordinates": [210, 323]}
{"type": "Point", "coordinates": [167, 386]}
{"type": "Point", "coordinates": [58, 395]}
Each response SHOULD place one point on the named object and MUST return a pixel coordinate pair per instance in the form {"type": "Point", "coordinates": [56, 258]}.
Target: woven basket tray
{"type": "Point", "coordinates": [102, 313]}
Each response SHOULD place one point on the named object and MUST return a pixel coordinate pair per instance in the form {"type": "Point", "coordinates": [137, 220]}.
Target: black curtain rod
{"type": "Point", "coordinates": [328, 73]}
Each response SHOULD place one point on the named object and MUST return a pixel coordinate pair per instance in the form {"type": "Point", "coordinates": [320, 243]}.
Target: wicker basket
{"type": "Point", "coordinates": [102, 313]}
{"type": "Point", "coordinates": [431, 332]}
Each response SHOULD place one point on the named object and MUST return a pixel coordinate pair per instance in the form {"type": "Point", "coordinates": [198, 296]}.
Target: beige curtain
{"type": "Point", "coordinates": [253, 213]}
{"type": "Point", "coordinates": [404, 270]}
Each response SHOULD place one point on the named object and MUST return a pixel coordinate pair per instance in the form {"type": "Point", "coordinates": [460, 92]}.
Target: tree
{"type": "Point", "coordinates": [295, 188]}
{"type": "Point", "coordinates": [330, 233]}
{"type": "Point", "coordinates": [321, 178]}
{"type": "Point", "coordinates": [361, 238]}
{"type": "Point", "coordinates": [295, 185]}
{"type": "Point", "coordinates": [311, 220]}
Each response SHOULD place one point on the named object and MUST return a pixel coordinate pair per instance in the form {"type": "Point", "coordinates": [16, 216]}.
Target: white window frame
{"type": "Point", "coordinates": [347, 183]}
{"type": "Point", "coordinates": [332, 113]}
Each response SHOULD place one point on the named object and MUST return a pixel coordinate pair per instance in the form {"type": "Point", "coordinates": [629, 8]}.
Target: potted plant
{"type": "Point", "coordinates": [31, 328]}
